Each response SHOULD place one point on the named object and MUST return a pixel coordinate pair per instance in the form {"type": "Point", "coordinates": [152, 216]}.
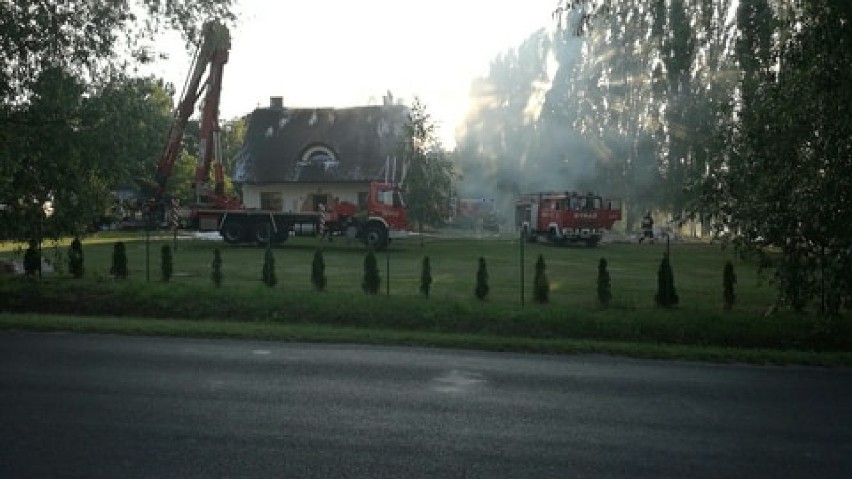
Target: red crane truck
{"type": "Point", "coordinates": [566, 217]}
{"type": "Point", "coordinates": [375, 218]}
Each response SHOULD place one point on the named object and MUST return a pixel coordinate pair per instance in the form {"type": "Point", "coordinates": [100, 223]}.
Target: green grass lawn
{"type": "Point", "coordinates": [572, 271]}
{"type": "Point", "coordinates": [572, 314]}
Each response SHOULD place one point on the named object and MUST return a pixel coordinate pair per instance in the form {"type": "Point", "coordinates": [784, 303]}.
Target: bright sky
{"type": "Point", "coordinates": [338, 53]}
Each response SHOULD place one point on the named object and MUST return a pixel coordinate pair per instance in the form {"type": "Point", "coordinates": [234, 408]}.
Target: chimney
{"type": "Point", "coordinates": [276, 102]}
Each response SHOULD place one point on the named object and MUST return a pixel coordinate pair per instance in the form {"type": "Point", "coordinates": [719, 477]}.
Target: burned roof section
{"type": "Point", "coordinates": [320, 144]}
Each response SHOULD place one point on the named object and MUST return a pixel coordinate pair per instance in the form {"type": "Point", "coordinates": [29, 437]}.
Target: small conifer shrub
{"type": "Point", "coordinates": [268, 273]}
{"type": "Point", "coordinates": [541, 285]}
{"type": "Point", "coordinates": [729, 279]}
{"type": "Point", "coordinates": [32, 259]}
{"type": "Point", "coordinates": [75, 258]}
{"type": "Point", "coordinates": [481, 290]}
{"type": "Point", "coordinates": [216, 273]}
{"type": "Point", "coordinates": [425, 277]}
{"type": "Point", "coordinates": [604, 286]}
{"type": "Point", "coordinates": [166, 266]}
{"type": "Point", "coordinates": [372, 280]}
{"type": "Point", "coordinates": [666, 296]}
{"type": "Point", "coordinates": [118, 269]}
{"type": "Point", "coordinates": [318, 278]}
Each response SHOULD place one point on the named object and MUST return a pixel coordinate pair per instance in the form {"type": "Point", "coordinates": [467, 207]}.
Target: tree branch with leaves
{"type": "Point", "coordinates": [429, 174]}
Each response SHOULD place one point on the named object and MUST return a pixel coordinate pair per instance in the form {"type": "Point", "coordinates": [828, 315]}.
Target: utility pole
{"type": "Point", "coordinates": [522, 265]}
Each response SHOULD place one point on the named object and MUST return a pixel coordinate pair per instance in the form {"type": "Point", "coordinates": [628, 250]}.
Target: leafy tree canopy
{"type": "Point", "coordinates": [73, 123]}
{"type": "Point", "coordinates": [744, 105]}
{"type": "Point", "coordinates": [87, 37]}
{"type": "Point", "coordinates": [429, 174]}
{"type": "Point", "coordinates": [67, 150]}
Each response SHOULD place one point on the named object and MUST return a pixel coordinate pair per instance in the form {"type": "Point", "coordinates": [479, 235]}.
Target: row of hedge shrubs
{"type": "Point", "coordinates": [665, 296]}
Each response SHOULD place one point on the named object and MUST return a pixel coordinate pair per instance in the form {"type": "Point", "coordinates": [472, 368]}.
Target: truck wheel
{"type": "Point", "coordinates": [376, 237]}
{"type": "Point", "coordinates": [552, 237]}
{"type": "Point", "coordinates": [233, 232]}
{"type": "Point", "coordinates": [262, 233]}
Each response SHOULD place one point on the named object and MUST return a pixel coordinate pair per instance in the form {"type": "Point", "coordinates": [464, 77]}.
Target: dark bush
{"type": "Point", "coordinates": [318, 278]}
{"type": "Point", "coordinates": [796, 277]}
{"type": "Point", "coordinates": [729, 279]}
{"type": "Point", "coordinates": [426, 277]}
{"type": "Point", "coordinates": [32, 259]}
{"type": "Point", "coordinates": [166, 266]}
{"type": "Point", "coordinates": [268, 273]}
{"type": "Point", "coordinates": [604, 285]}
{"type": "Point", "coordinates": [541, 285]}
{"type": "Point", "coordinates": [666, 296]}
{"type": "Point", "coordinates": [372, 280]}
{"type": "Point", "coordinates": [481, 290]}
{"type": "Point", "coordinates": [118, 269]}
{"type": "Point", "coordinates": [75, 258]}
{"type": "Point", "coordinates": [216, 273]}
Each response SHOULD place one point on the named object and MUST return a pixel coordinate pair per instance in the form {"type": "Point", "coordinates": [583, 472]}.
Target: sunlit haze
{"type": "Point", "coordinates": [338, 53]}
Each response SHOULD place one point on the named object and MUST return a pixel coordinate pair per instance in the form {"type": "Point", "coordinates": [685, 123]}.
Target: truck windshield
{"type": "Point", "coordinates": [593, 202]}
{"type": "Point", "coordinates": [390, 197]}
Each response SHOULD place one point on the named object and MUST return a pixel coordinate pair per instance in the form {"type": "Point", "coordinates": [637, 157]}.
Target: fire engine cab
{"type": "Point", "coordinates": [566, 217]}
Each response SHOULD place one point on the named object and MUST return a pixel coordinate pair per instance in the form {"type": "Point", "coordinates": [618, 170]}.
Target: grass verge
{"type": "Point", "coordinates": [362, 335]}
{"type": "Point", "coordinates": [572, 322]}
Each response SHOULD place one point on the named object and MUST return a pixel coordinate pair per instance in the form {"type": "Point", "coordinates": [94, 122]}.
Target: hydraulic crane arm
{"type": "Point", "coordinates": [213, 52]}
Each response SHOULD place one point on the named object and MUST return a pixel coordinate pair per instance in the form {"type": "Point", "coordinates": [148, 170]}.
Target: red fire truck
{"type": "Point", "coordinates": [566, 217]}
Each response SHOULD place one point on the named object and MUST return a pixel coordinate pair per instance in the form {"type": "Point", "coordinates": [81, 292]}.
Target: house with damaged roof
{"type": "Point", "coordinates": [296, 159]}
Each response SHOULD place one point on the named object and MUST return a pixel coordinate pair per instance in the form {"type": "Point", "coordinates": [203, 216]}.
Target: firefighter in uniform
{"type": "Point", "coordinates": [322, 222]}
{"type": "Point", "coordinates": [174, 214]}
{"type": "Point", "coordinates": [647, 228]}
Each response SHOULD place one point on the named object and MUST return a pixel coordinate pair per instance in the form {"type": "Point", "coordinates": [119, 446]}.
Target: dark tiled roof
{"type": "Point", "coordinates": [320, 144]}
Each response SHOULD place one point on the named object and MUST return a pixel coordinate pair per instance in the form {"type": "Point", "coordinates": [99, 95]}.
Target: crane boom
{"type": "Point", "coordinates": [213, 52]}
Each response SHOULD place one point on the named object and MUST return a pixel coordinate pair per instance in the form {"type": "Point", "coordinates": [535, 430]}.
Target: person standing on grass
{"type": "Point", "coordinates": [647, 228]}
{"type": "Point", "coordinates": [322, 222]}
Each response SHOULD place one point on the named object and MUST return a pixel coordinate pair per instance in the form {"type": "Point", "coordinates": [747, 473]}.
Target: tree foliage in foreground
{"type": "Point", "coordinates": [429, 174]}
{"type": "Point", "coordinates": [747, 120]}
{"type": "Point", "coordinates": [70, 146]}
{"type": "Point", "coordinates": [785, 186]}
{"type": "Point", "coordinates": [73, 123]}
{"type": "Point", "coordinates": [85, 38]}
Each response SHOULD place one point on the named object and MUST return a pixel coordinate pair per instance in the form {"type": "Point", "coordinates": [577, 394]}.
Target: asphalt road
{"type": "Point", "coordinates": [109, 406]}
